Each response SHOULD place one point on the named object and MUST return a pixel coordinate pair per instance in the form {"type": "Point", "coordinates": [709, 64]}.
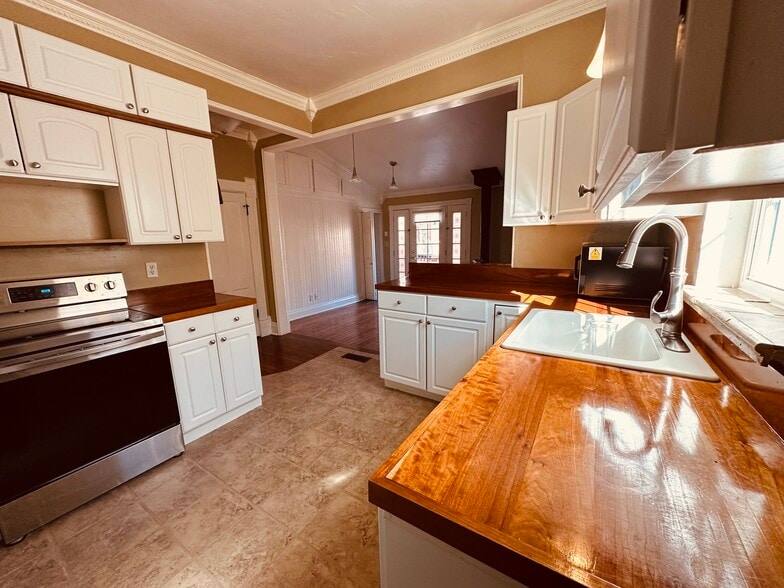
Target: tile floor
{"type": "Point", "coordinates": [275, 498]}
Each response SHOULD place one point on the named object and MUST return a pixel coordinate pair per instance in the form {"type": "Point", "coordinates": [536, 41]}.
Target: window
{"type": "Point", "coordinates": [400, 243]}
{"type": "Point", "coordinates": [428, 236]}
{"type": "Point", "coordinates": [456, 237]}
{"type": "Point", "coordinates": [765, 260]}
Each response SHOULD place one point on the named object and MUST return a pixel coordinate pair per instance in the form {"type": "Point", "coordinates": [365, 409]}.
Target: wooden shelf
{"type": "Point", "coordinates": [69, 243]}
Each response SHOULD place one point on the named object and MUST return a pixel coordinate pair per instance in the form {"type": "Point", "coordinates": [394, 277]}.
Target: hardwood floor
{"type": "Point", "coordinates": [354, 326]}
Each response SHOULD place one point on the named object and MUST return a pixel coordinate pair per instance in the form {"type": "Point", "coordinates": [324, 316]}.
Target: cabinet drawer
{"type": "Point", "coordinates": [189, 329]}
{"type": "Point", "coordinates": [461, 308]}
{"type": "Point", "coordinates": [231, 319]}
{"type": "Point", "coordinates": [402, 301]}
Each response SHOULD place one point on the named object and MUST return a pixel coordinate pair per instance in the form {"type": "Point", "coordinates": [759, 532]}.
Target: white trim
{"type": "Point", "coordinates": [531, 22]}
{"type": "Point", "coordinates": [746, 283]}
{"type": "Point", "coordinates": [324, 306]}
{"type": "Point", "coordinates": [277, 255]}
{"type": "Point", "coordinates": [317, 155]}
{"type": "Point", "coordinates": [256, 120]}
{"type": "Point", "coordinates": [422, 191]}
{"type": "Point", "coordinates": [119, 30]}
{"type": "Point", "coordinates": [265, 326]}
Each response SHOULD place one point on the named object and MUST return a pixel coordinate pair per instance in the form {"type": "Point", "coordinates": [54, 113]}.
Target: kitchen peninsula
{"type": "Point", "coordinates": [556, 472]}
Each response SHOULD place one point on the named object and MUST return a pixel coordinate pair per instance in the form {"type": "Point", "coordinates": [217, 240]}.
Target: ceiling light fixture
{"type": "Point", "coordinates": [355, 179]}
{"type": "Point", "coordinates": [595, 68]}
{"type": "Point", "coordinates": [393, 185]}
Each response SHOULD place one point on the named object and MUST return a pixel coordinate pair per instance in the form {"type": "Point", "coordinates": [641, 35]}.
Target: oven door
{"type": "Point", "coordinates": [67, 408]}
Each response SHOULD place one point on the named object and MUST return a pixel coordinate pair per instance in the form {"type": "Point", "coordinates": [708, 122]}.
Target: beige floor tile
{"type": "Point", "coordinates": [299, 566]}
{"type": "Point", "coordinates": [298, 501]}
{"type": "Point", "coordinates": [243, 552]}
{"type": "Point", "coordinates": [272, 433]}
{"type": "Point", "coordinates": [341, 463]}
{"type": "Point", "coordinates": [200, 524]}
{"type": "Point", "coordinates": [173, 468]}
{"type": "Point", "coordinates": [357, 429]}
{"type": "Point", "coordinates": [285, 402]}
{"type": "Point", "coordinates": [305, 446]}
{"type": "Point", "coordinates": [263, 476]}
{"type": "Point", "coordinates": [192, 576]}
{"type": "Point", "coordinates": [179, 493]}
{"type": "Point", "coordinates": [40, 571]}
{"type": "Point", "coordinates": [310, 414]}
{"type": "Point", "coordinates": [228, 460]}
{"type": "Point", "coordinates": [37, 547]}
{"type": "Point", "coordinates": [91, 513]}
{"type": "Point", "coordinates": [346, 534]}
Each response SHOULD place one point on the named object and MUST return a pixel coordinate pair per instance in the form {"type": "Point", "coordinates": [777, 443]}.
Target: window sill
{"type": "Point", "coordinates": [752, 323]}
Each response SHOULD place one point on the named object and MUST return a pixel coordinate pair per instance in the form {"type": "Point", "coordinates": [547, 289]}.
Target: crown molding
{"type": "Point", "coordinates": [515, 28]}
{"type": "Point", "coordinates": [119, 30]}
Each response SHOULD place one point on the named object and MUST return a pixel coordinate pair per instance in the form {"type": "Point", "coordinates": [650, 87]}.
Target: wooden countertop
{"type": "Point", "coordinates": [181, 301]}
{"type": "Point", "coordinates": [558, 472]}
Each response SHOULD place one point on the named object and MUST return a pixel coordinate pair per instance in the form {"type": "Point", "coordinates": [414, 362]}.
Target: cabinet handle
{"type": "Point", "coordinates": [35, 165]}
{"type": "Point", "coordinates": [177, 237]}
{"type": "Point", "coordinates": [541, 217]}
{"type": "Point", "coordinates": [583, 190]}
{"type": "Point", "coordinates": [223, 339]}
{"type": "Point", "coordinates": [12, 162]}
{"type": "Point", "coordinates": [499, 313]}
{"type": "Point", "coordinates": [420, 321]}
{"type": "Point", "coordinates": [453, 308]}
{"type": "Point", "coordinates": [236, 319]}
{"type": "Point", "coordinates": [145, 110]}
{"type": "Point", "coordinates": [191, 329]}
{"type": "Point", "coordinates": [552, 217]}
{"type": "Point", "coordinates": [212, 341]}
{"type": "Point", "coordinates": [397, 302]}
{"type": "Point", "coordinates": [129, 106]}
{"type": "Point", "coordinates": [428, 322]}
{"type": "Point", "coordinates": [189, 236]}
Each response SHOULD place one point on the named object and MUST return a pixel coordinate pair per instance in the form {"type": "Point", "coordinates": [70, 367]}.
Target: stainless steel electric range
{"type": "Point", "coordinates": [87, 399]}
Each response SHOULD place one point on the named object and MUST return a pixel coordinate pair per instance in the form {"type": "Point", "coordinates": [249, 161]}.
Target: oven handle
{"type": "Point", "coordinates": [82, 355]}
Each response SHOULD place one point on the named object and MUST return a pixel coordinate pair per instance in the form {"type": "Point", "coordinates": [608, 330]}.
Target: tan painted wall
{"type": "Point", "coordinates": [474, 195]}
{"type": "Point", "coordinates": [234, 159]}
{"type": "Point", "coordinates": [217, 90]}
{"type": "Point", "coordinates": [552, 62]}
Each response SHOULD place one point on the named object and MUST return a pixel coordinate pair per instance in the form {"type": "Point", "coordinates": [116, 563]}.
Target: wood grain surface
{"type": "Point", "coordinates": [558, 472]}
{"type": "Point", "coordinates": [180, 301]}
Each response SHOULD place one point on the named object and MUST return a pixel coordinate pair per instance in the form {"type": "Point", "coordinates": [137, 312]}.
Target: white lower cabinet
{"type": "Point", "coordinates": [402, 345]}
{"type": "Point", "coordinates": [503, 317]}
{"type": "Point", "coordinates": [217, 373]}
{"type": "Point", "coordinates": [453, 347]}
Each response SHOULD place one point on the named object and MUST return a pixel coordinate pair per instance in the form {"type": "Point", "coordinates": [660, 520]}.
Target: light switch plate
{"type": "Point", "coordinates": [152, 269]}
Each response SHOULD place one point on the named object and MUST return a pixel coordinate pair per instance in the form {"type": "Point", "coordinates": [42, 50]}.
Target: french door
{"type": "Point", "coordinates": [429, 234]}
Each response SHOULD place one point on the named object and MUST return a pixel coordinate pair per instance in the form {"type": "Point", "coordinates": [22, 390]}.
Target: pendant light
{"type": "Point", "coordinates": [393, 185]}
{"type": "Point", "coordinates": [355, 179]}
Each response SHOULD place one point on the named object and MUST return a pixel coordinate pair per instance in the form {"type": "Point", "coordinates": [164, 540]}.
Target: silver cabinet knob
{"type": "Point", "coordinates": [191, 329]}
{"type": "Point", "coordinates": [177, 237]}
{"type": "Point", "coordinates": [129, 106]}
{"type": "Point", "coordinates": [420, 321]}
{"type": "Point", "coordinates": [236, 319]}
{"type": "Point", "coordinates": [453, 308]}
{"type": "Point", "coordinates": [35, 165]}
{"type": "Point", "coordinates": [212, 341]}
{"type": "Point", "coordinates": [429, 323]}
{"type": "Point", "coordinates": [223, 339]}
{"type": "Point", "coordinates": [145, 110]}
{"type": "Point", "coordinates": [397, 302]}
{"type": "Point", "coordinates": [12, 162]}
{"type": "Point", "coordinates": [189, 236]}
{"type": "Point", "coordinates": [499, 313]}
{"type": "Point", "coordinates": [91, 286]}
{"type": "Point", "coordinates": [110, 285]}
{"type": "Point", "coordinates": [583, 190]}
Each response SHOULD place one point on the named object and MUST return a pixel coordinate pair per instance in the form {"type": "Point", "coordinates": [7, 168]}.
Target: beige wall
{"type": "Point", "coordinates": [234, 159]}
{"type": "Point", "coordinates": [419, 199]}
{"type": "Point", "coordinates": [552, 62]}
{"type": "Point", "coordinates": [217, 90]}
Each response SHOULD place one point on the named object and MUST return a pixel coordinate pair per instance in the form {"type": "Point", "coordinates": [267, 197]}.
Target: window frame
{"type": "Point", "coordinates": [746, 283]}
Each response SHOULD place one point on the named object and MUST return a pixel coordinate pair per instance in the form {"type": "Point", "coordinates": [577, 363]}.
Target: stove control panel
{"type": "Point", "coordinates": [30, 294]}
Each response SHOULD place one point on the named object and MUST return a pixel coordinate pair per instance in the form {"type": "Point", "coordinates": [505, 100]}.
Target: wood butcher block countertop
{"type": "Point", "coordinates": [181, 301]}
{"type": "Point", "coordinates": [559, 472]}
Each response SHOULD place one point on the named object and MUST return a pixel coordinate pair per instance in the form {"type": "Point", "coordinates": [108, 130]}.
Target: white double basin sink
{"type": "Point", "coordinates": [620, 341]}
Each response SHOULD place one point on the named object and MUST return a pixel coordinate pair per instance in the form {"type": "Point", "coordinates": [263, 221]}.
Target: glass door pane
{"type": "Point", "coordinates": [400, 243]}
{"type": "Point", "coordinates": [428, 236]}
{"type": "Point", "coordinates": [458, 233]}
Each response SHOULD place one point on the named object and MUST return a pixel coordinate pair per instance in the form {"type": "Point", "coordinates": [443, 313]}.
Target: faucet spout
{"type": "Point", "coordinates": [671, 318]}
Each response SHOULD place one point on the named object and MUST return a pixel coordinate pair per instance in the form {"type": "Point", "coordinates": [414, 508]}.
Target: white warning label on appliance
{"type": "Point", "coordinates": [595, 253]}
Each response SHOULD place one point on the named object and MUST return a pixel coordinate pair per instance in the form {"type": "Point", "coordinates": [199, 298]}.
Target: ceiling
{"type": "Point", "coordinates": [433, 151]}
{"type": "Point", "coordinates": [312, 46]}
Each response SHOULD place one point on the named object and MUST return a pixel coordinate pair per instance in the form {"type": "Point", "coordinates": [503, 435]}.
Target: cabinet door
{"type": "Point", "coordinates": [239, 359]}
{"type": "Point", "coordinates": [197, 380]}
{"type": "Point", "coordinates": [59, 141]}
{"type": "Point", "coordinates": [10, 155]}
{"type": "Point", "coordinates": [67, 69]}
{"type": "Point", "coordinates": [196, 186]}
{"type": "Point", "coordinates": [11, 68]}
{"type": "Point", "coordinates": [402, 347]}
{"type": "Point", "coordinates": [530, 143]}
{"type": "Point", "coordinates": [575, 154]}
{"type": "Point", "coordinates": [503, 318]}
{"type": "Point", "coordinates": [146, 183]}
{"type": "Point", "coordinates": [164, 98]}
{"type": "Point", "coordinates": [453, 347]}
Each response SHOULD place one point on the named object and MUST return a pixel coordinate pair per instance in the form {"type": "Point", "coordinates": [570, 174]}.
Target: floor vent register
{"type": "Point", "coordinates": [356, 357]}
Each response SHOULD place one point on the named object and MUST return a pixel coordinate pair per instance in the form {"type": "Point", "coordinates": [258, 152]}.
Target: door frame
{"type": "Point", "coordinates": [378, 257]}
{"type": "Point", "coordinates": [262, 319]}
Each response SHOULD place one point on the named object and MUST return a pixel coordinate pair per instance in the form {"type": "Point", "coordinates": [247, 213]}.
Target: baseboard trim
{"type": "Point", "coordinates": [265, 326]}
{"type": "Point", "coordinates": [324, 306]}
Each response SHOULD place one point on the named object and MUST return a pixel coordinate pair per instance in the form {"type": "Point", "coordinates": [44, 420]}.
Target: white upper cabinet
{"type": "Point", "coordinates": [530, 143]}
{"type": "Point", "coordinates": [146, 183]}
{"type": "Point", "coordinates": [59, 141]}
{"type": "Point", "coordinates": [11, 68]}
{"type": "Point", "coordinates": [167, 99]}
{"type": "Point", "coordinates": [575, 154]}
{"type": "Point", "coordinates": [67, 69]}
{"type": "Point", "coordinates": [196, 187]}
{"type": "Point", "coordinates": [10, 155]}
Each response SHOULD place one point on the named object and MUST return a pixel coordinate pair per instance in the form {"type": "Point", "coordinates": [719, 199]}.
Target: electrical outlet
{"type": "Point", "coordinates": [152, 269]}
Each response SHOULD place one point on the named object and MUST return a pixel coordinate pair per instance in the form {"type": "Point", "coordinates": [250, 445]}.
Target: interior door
{"type": "Point", "coordinates": [369, 254]}
{"type": "Point", "coordinates": [230, 259]}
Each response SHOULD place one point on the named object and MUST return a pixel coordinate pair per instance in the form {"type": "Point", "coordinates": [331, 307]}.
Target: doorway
{"type": "Point", "coordinates": [235, 263]}
{"type": "Point", "coordinates": [372, 259]}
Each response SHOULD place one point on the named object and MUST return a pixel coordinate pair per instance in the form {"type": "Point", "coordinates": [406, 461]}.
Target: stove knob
{"type": "Point", "coordinates": [91, 286]}
{"type": "Point", "coordinates": [110, 285]}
